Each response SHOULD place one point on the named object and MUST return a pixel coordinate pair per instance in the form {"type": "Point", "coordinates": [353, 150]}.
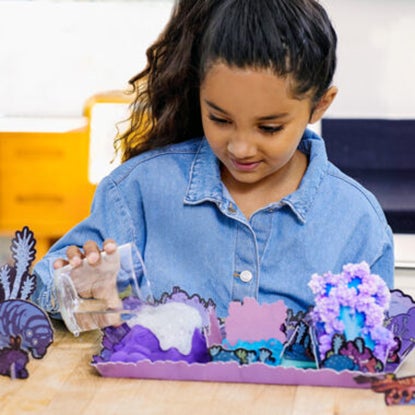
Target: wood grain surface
{"type": "Point", "coordinates": [63, 382]}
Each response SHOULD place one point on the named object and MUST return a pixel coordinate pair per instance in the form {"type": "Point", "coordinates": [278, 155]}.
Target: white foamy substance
{"type": "Point", "coordinates": [172, 323]}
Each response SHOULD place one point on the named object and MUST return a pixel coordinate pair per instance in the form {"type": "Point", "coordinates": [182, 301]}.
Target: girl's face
{"type": "Point", "coordinates": [252, 123]}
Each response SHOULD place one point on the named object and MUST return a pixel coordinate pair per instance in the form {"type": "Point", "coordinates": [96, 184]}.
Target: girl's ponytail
{"type": "Point", "coordinates": [166, 107]}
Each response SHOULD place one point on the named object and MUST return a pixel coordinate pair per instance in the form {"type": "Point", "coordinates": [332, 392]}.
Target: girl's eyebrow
{"type": "Point", "coordinates": [215, 107]}
{"type": "Point", "coordinates": [264, 118]}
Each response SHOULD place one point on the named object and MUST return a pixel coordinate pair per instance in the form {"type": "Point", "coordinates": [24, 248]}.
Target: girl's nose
{"type": "Point", "coordinates": [241, 147]}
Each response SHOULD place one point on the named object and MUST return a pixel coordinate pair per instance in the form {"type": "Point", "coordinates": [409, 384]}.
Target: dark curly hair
{"type": "Point", "coordinates": [291, 37]}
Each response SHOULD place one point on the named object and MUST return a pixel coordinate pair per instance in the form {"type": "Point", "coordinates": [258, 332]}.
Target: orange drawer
{"type": "Point", "coordinates": [47, 150]}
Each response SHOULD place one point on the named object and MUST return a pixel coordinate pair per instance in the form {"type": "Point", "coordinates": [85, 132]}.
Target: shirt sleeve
{"type": "Point", "coordinates": [110, 217]}
{"type": "Point", "coordinates": [384, 264]}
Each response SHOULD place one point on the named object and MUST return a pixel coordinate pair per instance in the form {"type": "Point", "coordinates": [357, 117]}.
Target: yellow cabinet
{"type": "Point", "coordinates": [44, 166]}
{"type": "Point", "coordinates": [44, 182]}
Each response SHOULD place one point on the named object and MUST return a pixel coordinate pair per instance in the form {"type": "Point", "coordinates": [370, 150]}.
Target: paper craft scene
{"type": "Point", "coordinates": [207, 204]}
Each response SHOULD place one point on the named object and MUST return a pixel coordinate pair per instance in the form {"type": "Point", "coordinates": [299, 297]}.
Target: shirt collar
{"type": "Point", "coordinates": [302, 199]}
{"type": "Point", "coordinates": [205, 182]}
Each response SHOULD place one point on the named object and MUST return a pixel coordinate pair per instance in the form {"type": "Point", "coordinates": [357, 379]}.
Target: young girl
{"type": "Point", "coordinates": [223, 189]}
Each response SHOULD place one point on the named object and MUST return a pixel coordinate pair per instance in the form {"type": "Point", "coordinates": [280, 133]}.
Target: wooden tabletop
{"type": "Point", "coordinates": [63, 382]}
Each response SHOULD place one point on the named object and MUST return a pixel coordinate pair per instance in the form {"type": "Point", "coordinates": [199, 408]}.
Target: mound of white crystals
{"type": "Point", "coordinates": [172, 323]}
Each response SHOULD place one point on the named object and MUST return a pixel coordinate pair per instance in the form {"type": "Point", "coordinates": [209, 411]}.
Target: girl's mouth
{"type": "Point", "coordinates": [244, 166]}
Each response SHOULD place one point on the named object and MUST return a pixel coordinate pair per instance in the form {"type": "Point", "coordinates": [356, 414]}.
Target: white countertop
{"type": "Point", "coordinates": [41, 124]}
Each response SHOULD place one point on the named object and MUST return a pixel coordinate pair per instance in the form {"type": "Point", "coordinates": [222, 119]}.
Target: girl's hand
{"type": "Point", "coordinates": [95, 279]}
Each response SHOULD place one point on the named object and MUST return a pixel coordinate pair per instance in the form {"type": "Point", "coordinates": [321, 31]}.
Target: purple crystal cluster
{"type": "Point", "coordinates": [351, 304]}
{"type": "Point", "coordinates": [132, 344]}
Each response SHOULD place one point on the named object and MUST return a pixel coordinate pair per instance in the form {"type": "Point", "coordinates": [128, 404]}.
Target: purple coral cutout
{"type": "Point", "coordinates": [24, 328]}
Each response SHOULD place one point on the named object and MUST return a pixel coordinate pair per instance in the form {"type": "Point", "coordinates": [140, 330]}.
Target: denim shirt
{"type": "Point", "coordinates": [172, 204]}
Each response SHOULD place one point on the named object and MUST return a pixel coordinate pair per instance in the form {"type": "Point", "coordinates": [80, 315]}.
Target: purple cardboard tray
{"type": "Point", "coordinates": [400, 319]}
{"type": "Point", "coordinates": [232, 372]}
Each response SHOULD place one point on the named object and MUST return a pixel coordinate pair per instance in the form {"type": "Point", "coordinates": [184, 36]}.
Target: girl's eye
{"type": "Point", "coordinates": [218, 120]}
{"type": "Point", "coordinates": [269, 129]}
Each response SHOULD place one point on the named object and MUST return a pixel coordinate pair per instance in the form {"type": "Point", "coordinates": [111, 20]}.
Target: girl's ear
{"type": "Point", "coordinates": [321, 107]}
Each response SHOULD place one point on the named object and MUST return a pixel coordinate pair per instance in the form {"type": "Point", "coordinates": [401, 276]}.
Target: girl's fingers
{"type": "Point", "coordinates": [59, 263]}
{"type": "Point", "coordinates": [110, 246]}
{"type": "Point", "coordinates": [92, 252]}
{"type": "Point", "coordinates": [74, 255]}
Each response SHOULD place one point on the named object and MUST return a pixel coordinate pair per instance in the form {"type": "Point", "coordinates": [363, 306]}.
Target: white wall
{"type": "Point", "coordinates": [376, 57]}
{"type": "Point", "coordinates": [54, 55]}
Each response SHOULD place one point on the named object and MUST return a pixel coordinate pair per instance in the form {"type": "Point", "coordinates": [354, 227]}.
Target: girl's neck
{"type": "Point", "coordinates": [251, 197]}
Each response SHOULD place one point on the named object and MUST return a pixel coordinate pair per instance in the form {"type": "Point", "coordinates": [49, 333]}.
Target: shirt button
{"type": "Point", "coordinates": [231, 209]}
{"type": "Point", "coordinates": [246, 276]}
